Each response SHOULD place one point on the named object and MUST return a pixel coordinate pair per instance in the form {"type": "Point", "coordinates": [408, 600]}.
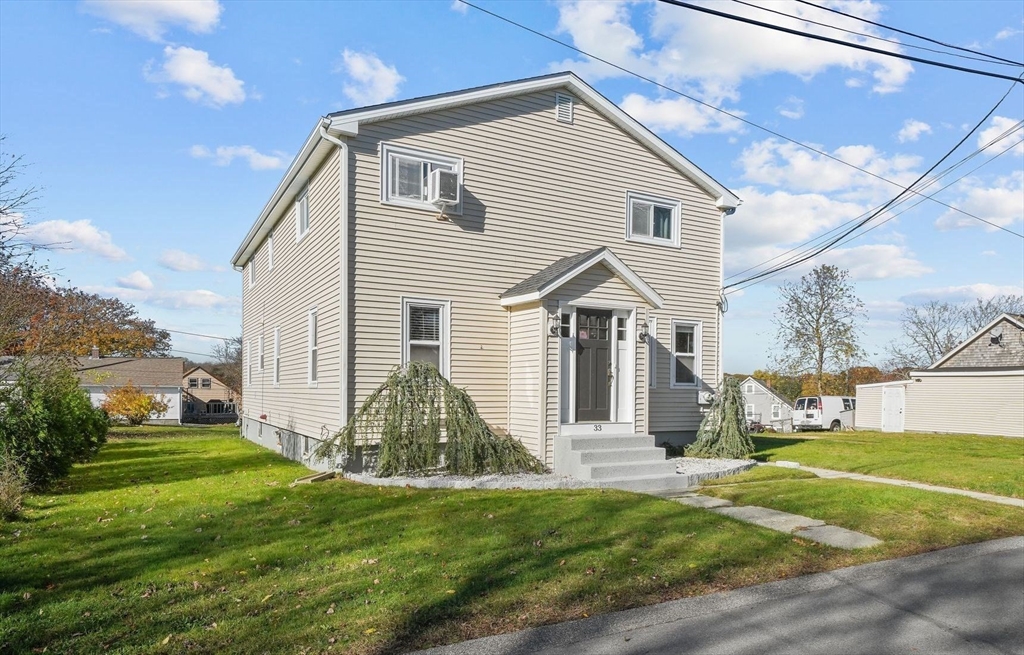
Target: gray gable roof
{"type": "Point", "coordinates": [140, 371]}
{"type": "Point", "coordinates": [537, 281]}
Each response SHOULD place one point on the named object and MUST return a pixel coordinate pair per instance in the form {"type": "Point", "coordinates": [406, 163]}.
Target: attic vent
{"type": "Point", "coordinates": [563, 108]}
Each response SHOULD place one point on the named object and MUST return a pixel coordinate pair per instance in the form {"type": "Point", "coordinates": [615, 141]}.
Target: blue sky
{"type": "Point", "coordinates": [157, 131]}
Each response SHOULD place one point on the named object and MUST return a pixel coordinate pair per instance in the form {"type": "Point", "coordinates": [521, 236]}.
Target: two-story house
{"type": "Point", "coordinates": [571, 284]}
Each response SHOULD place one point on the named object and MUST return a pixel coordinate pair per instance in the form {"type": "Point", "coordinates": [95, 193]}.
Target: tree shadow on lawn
{"type": "Point", "coordinates": [765, 447]}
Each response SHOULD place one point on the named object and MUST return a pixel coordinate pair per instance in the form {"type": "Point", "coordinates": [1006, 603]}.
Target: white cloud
{"type": "Point", "coordinates": [200, 79]}
{"type": "Point", "coordinates": [75, 236]}
{"type": "Point", "coordinates": [1007, 33]}
{"type": "Point", "coordinates": [876, 261]}
{"type": "Point", "coordinates": [995, 129]}
{"type": "Point", "coordinates": [172, 299]}
{"type": "Point", "coordinates": [717, 55]}
{"type": "Point", "coordinates": [787, 165]}
{"type": "Point", "coordinates": [152, 18]}
{"type": "Point", "coordinates": [183, 262]}
{"type": "Point", "coordinates": [459, 7]}
{"type": "Point", "coordinates": [989, 253]}
{"type": "Point", "coordinates": [1002, 204]}
{"type": "Point", "coordinates": [371, 80]}
{"type": "Point", "coordinates": [224, 155]}
{"type": "Point", "coordinates": [136, 280]}
{"type": "Point", "coordinates": [793, 108]}
{"type": "Point", "coordinates": [961, 293]}
{"type": "Point", "coordinates": [912, 130]}
{"type": "Point", "coordinates": [680, 116]}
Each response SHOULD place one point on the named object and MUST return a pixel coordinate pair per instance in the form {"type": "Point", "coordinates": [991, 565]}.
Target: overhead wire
{"type": "Point", "coordinates": [987, 58]}
{"type": "Point", "coordinates": [195, 334]}
{"type": "Point", "coordinates": [839, 42]}
{"type": "Point", "coordinates": [698, 101]}
{"type": "Point", "coordinates": [1006, 133]}
{"type": "Point", "coordinates": [906, 33]}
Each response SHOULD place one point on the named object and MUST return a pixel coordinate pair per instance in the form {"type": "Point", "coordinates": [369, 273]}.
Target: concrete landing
{"type": "Point", "coordinates": [769, 518]}
{"type": "Point", "coordinates": [831, 535]}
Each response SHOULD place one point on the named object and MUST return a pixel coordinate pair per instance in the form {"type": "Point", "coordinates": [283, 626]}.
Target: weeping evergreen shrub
{"type": "Point", "coordinates": [404, 417]}
{"type": "Point", "coordinates": [723, 433]}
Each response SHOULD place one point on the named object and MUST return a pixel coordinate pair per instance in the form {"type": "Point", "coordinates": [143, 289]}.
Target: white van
{"type": "Point", "coordinates": [820, 412]}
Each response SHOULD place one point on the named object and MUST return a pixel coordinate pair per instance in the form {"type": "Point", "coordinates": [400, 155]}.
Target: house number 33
{"type": "Point", "coordinates": [597, 428]}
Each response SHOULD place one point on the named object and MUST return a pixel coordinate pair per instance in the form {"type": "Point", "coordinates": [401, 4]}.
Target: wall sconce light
{"type": "Point", "coordinates": [554, 324]}
{"type": "Point", "coordinates": [642, 332]}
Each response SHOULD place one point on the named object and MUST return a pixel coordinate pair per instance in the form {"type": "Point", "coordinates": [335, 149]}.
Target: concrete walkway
{"type": "Point", "coordinates": [960, 600]}
{"type": "Point", "coordinates": [977, 495]}
{"type": "Point", "coordinates": [773, 519]}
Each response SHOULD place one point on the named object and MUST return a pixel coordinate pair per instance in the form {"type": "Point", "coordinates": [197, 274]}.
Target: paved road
{"type": "Point", "coordinates": [968, 599]}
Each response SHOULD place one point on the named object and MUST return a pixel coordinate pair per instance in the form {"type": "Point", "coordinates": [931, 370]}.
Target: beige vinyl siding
{"type": "Point", "coordinates": [983, 404]}
{"type": "Point", "coordinates": [535, 191]}
{"type": "Point", "coordinates": [525, 375]}
{"type": "Point", "coordinates": [305, 275]}
{"type": "Point", "coordinates": [868, 415]}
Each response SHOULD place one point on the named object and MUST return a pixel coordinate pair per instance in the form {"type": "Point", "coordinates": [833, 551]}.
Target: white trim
{"type": "Point", "coordinates": [387, 150]}
{"type": "Point", "coordinates": [561, 98]}
{"type": "Point", "coordinates": [446, 329]}
{"type": "Point", "coordinates": [606, 257]}
{"type": "Point", "coordinates": [776, 411]}
{"type": "Point", "coordinates": [652, 352]}
{"type": "Point", "coordinates": [654, 200]}
{"type": "Point", "coordinates": [608, 428]}
{"type": "Point", "coordinates": [698, 345]}
{"type": "Point", "coordinates": [964, 374]}
{"type": "Point", "coordinates": [302, 207]}
{"type": "Point", "coordinates": [276, 361]}
{"type": "Point", "coordinates": [312, 345]}
{"type": "Point", "coordinates": [248, 362]}
{"type": "Point", "coordinates": [876, 384]}
{"type": "Point", "coordinates": [270, 251]}
{"type": "Point", "coordinates": [569, 343]}
{"type": "Point", "coordinates": [748, 411]}
{"type": "Point", "coordinates": [977, 335]}
{"type": "Point", "coordinates": [252, 272]}
{"type": "Point", "coordinates": [260, 358]}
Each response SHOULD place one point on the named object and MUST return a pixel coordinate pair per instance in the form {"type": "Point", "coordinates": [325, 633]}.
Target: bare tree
{"type": "Point", "coordinates": [929, 331]}
{"type": "Point", "coordinates": [816, 324]}
{"type": "Point", "coordinates": [15, 200]}
{"type": "Point", "coordinates": [229, 362]}
{"type": "Point", "coordinates": [983, 312]}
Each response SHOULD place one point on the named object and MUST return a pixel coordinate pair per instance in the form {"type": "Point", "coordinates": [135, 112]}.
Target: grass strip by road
{"type": "Point", "coordinates": [190, 540]}
{"type": "Point", "coordinates": [992, 465]}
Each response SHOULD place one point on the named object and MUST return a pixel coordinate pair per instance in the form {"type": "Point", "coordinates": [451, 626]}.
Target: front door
{"type": "Point", "coordinates": [593, 365]}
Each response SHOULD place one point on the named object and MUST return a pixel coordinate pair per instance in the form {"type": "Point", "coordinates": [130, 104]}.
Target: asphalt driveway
{"type": "Point", "coordinates": [968, 599]}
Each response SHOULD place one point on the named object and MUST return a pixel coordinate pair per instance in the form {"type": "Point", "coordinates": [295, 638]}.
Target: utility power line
{"type": "Point", "coordinates": [194, 334]}
{"type": "Point", "coordinates": [702, 103]}
{"type": "Point", "coordinates": [910, 34]}
{"type": "Point", "coordinates": [987, 58]}
{"type": "Point", "coordinates": [188, 352]}
{"type": "Point", "coordinates": [846, 44]}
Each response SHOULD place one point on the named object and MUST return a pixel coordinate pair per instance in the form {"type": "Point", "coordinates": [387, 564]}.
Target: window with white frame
{"type": "Point", "coordinates": [652, 351]}
{"type": "Point", "coordinates": [248, 361]}
{"type": "Point", "coordinates": [425, 332]}
{"type": "Point", "coordinates": [259, 356]}
{"type": "Point", "coordinates": [750, 411]}
{"type": "Point", "coordinates": [311, 347]}
{"type": "Point", "coordinates": [776, 412]}
{"type": "Point", "coordinates": [749, 388]}
{"type": "Point", "coordinates": [277, 356]}
{"type": "Point", "coordinates": [207, 383]}
{"type": "Point", "coordinates": [270, 252]}
{"type": "Point", "coordinates": [405, 175]}
{"type": "Point", "coordinates": [252, 272]}
{"type": "Point", "coordinates": [193, 383]}
{"type": "Point", "coordinates": [685, 353]}
{"type": "Point", "coordinates": [651, 219]}
{"type": "Point", "coordinates": [302, 214]}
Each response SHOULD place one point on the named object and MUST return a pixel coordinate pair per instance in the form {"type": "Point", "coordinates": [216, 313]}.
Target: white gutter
{"type": "Point", "coordinates": [344, 267]}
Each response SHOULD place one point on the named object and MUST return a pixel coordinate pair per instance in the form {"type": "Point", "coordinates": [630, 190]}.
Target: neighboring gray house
{"type": "Point", "coordinates": [570, 284]}
{"type": "Point", "coordinates": [157, 376]}
{"type": "Point", "coordinates": [976, 388]}
{"type": "Point", "coordinates": [764, 406]}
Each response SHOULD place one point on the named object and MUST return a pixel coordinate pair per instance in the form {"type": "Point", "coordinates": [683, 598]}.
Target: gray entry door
{"type": "Point", "coordinates": [593, 365]}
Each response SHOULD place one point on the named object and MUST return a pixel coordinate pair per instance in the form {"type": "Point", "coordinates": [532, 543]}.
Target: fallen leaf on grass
{"type": "Point", "coordinates": [166, 640]}
{"type": "Point", "coordinates": [369, 631]}
{"type": "Point", "coordinates": [450, 591]}
{"type": "Point", "coordinates": [266, 598]}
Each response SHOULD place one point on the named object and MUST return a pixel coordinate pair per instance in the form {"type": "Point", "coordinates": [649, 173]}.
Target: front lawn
{"type": "Point", "coordinates": [190, 540]}
{"type": "Point", "coordinates": [993, 465]}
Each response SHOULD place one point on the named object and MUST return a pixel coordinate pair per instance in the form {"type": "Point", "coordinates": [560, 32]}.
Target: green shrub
{"type": "Point", "coordinates": [723, 432]}
{"type": "Point", "coordinates": [13, 485]}
{"type": "Point", "coordinates": [47, 422]}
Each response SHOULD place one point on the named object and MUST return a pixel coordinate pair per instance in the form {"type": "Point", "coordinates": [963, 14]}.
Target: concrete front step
{"type": "Point", "coordinates": [611, 441]}
{"type": "Point", "coordinates": [663, 484]}
{"type": "Point", "coordinates": [632, 469]}
{"type": "Point", "coordinates": [621, 455]}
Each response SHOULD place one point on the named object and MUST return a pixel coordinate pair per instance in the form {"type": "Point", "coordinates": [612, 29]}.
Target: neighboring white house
{"type": "Point", "coordinates": [976, 388]}
{"type": "Point", "coordinates": [157, 376]}
{"type": "Point", "coordinates": [764, 406]}
{"type": "Point", "coordinates": [570, 284]}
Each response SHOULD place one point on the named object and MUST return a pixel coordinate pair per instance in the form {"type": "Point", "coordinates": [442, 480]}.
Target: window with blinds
{"type": "Point", "coordinates": [424, 333]}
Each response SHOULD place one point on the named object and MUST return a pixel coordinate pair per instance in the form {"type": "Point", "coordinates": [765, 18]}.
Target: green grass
{"type": "Point", "coordinates": [990, 464]}
{"type": "Point", "coordinates": [189, 540]}
{"type": "Point", "coordinates": [761, 474]}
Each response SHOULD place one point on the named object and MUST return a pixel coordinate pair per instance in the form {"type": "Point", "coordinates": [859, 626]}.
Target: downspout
{"type": "Point", "coordinates": [344, 268]}
{"type": "Point", "coordinates": [723, 303]}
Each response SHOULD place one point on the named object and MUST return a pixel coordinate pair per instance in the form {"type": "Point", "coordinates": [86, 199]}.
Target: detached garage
{"type": "Point", "coordinates": [976, 388]}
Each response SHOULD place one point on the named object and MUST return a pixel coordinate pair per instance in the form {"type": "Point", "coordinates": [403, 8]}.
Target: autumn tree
{"type": "Point", "coordinates": [933, 329]}
{"type": "Point", "coordinates": [228, 367]}
{"type": "Point", "coordinates": [816, 324]}
{"type": "Point", "coordinates": [130, 404]}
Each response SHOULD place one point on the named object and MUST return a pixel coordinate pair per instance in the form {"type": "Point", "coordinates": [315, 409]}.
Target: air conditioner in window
{"type": "Point", "coordinates": [443, 188]}
{"type": "Point", "coordinates": [705, 397]}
